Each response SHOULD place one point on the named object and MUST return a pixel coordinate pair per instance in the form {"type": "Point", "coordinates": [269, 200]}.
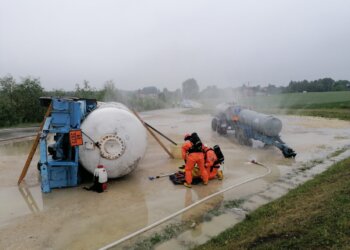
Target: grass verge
{"type": "Point", "coordinates": [315, 215]}
{"type": "Point", "coordinates": [173, 230]}
{"type": "Point", "coordinates": [167, 233]}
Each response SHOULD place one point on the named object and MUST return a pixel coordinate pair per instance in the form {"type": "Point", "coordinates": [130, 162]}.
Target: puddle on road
{"type": "Point", "coordinates": [15, 148]}
{"type": "Point", "coordinates": [75, 218]}
{"type": "Point", "coordinates": [17, 201]}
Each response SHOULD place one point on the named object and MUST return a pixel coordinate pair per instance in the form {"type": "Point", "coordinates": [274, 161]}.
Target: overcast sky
{"type": "Point", "coordinates": [163, 43]}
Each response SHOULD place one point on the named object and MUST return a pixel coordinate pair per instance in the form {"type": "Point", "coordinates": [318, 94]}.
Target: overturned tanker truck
{"type": "Point", "coordinates": [86, 133]}
{"type": "Point", "coordinates": [248, 125]}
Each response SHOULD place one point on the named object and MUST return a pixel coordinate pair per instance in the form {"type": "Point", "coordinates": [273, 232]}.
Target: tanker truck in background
{"type": "Point", "coordinates": [248, 124]}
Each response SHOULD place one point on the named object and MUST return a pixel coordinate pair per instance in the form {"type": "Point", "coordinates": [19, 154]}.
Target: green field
{"type": "Point", "coordinates": [314, 100]}
{"type": "Point", "coordinates": [315, 215]}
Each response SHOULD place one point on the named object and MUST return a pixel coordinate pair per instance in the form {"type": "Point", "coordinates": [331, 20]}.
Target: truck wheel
{"type": "Point", "coordinates": [214, 124]}
{"type": "Point", "coordinates": [242, 139]}
{"type": "Point", "coordinates": [248, 142]}
{"type": "Point", "coordinates": [221, 130]}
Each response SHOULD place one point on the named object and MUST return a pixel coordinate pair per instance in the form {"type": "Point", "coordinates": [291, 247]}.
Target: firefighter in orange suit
{"type": "Point", "coordinates": [192, 156]}
{"type": "Point", "coordinates": [211, 164]}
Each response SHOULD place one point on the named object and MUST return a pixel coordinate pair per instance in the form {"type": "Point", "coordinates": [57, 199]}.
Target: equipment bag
{"type": "Point", "coordinates": [179, 178]}
{"type": "Point", "coordinates": [197, 143]}
{"type": "Point", "coordinates": [219, 155]}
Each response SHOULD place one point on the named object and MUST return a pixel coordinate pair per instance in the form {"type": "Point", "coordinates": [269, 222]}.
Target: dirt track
{"type": "Point", "coordinates": [76, 219]}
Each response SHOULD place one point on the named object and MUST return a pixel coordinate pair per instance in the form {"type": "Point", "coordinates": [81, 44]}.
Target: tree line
{"type": "Point", "coordinates": [19, 100]}
{"type": "Point", "coordinates": [320, 85]}
{"type": "Point", "coordinates": [191, 89]}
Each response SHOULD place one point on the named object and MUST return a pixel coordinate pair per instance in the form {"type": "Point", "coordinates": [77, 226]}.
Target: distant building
{"type": "Point", "coordinates": [247, 91]}
{"type": "Point", "coordinates": [149, 91]}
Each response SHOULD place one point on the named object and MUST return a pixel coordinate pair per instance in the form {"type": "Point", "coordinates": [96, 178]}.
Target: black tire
{"type": "Point", "coordinates": [248, 142]}
{"type": "Point", "coordinates": [214, 124]}
{"type": "Point", "coordinates": [222, 130]}
{"type": "Point", "coordinates": [39, 166]}
{"type": "Point", "coordinates": [242, 138]}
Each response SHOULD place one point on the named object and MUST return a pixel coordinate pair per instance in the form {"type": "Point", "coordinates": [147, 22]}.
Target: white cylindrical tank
{"type": "Point", "coordinates": [266, 124]}
{"type": "Point", "coordinates": [121, 137]}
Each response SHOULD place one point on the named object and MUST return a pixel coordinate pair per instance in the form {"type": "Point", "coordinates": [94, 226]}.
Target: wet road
{"type": "Point", "coordinates": [12, 133]}
{"type": "Point", "coordinates": [77, 219]}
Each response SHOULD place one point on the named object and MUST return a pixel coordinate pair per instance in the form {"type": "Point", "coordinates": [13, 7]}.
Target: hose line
{"type": "Point", "coordinates": [142, 230]}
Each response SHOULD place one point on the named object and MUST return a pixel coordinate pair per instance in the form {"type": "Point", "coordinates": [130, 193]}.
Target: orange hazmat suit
{"type": "Point", "coordinates": [210, 159]}
{"type": "Point", "coordinates": [191, 160]}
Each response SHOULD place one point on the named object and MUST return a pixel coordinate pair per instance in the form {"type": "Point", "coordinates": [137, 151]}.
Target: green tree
{"type": "Point", "coordinates": [341, 85]}
{"type": "Point", "coordinates": [190, 89]}
{"type": "Point", "coordinates": [58, 93]}
{"type": "Point", "coordinates": [86, 91]}
{"type": "Point", "coordinates": [210, 92]}
{"type": "Point", "coordinates": [111, 93]}
{"type": "Point", "coordinates": [7, 109]}
{"type": "Point", "coordinates": [26, 96]}
{"type": "Point", "coordinates": [20, 102]}
{"type": "Point", "coordinates": [320, 85]}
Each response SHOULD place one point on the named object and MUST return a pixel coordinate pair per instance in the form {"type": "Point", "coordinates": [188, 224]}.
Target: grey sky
{"type": "Point", "coordinates": [162, 43]}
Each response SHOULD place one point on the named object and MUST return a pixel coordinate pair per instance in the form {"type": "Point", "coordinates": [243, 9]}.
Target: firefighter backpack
{"type": "Point", "coordinates": [219, 155]}
{"type": "Point", "coordinates": [197, 143]}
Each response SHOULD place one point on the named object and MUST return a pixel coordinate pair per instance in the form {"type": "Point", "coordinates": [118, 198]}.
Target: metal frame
{"type": "Point", "coordinates": [57, 173]}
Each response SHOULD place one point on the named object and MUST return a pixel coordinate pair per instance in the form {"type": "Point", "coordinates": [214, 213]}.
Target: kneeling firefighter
{"type": "Point", "coordinates": [192, 153]}
{"type": "Point", "coordinates": [213, 159]}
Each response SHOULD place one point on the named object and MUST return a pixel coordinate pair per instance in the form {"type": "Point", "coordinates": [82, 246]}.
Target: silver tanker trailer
{"type": "Point", "coordinates": [248, 125]}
